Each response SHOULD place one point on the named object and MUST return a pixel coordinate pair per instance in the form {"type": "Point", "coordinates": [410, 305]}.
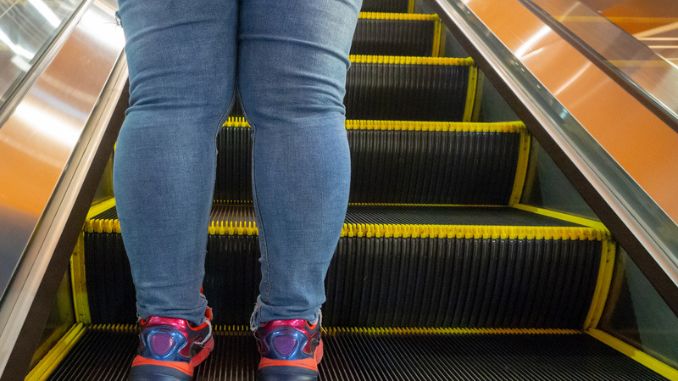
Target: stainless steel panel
{"type": "Point", "coordinates": [26, 29]}
{"type": "Point", "coordinates": [39, 136]}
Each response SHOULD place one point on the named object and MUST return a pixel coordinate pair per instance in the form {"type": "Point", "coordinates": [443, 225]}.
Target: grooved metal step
{"type": "Point", "coordinates": [404, 162]}
{"type": "Point", "coordinates": [106, 354]}
{"type": "Point", "coordinates": [393, 266]}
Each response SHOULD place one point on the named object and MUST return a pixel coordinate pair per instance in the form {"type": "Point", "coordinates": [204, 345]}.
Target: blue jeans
{"type": "Point", "coordinates": [288, 60]}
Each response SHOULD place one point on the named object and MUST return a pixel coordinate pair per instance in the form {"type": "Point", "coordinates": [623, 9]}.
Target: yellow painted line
{"type": "Point", "coordinates": [563, 216]}
{"type": "Point", "coordinates": [603, 284]}
{"type": "Point", "coordinates": [121, 328]}
{"type": "Point", "coordinates": [521, 168]}
{"type": "Point", "coordinates": [470, 92]}
{"type": "Point", "coordinates": [79, 282]}
{"type": "Point", "coordinates": [410, 60]}
{"type": "Point", "coordinates": [408, 125]}
{"type": "Point", "coordinates": [53, 358]}
{"type": "Point", "coordinates": [410, 6]}
{"type": "Point", "coordinates": [399, 16]}
{"type": "Point", "coordinates": [100, 207]}
{"type": "Point", "coordinates": [635, 354]}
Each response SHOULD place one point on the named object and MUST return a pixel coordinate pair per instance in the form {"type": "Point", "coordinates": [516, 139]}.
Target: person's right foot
{"type": "Point", "coordinates": [170, 349]}
{"type": "Point", "coordinates": [290, 350]}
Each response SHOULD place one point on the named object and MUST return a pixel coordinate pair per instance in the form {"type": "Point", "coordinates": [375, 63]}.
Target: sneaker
{"type": "Point", "coordinates": [290, 350]}
{"type": "Point", "coordinates": [169, 349]}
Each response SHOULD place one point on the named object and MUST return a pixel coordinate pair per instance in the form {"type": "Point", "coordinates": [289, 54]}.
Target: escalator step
{"type": "Point", "coordinates": [406, 266]}
{"type": "Point", "coordinates": [385, 5]}
{"type": "Point", "coordinates": [354, 355]}
{"type": "Point", "coordinates": [402, 162]}
{"type": "Point", "coordinates": [397, 34]}
{"type": "Point", "coordinates": [410, 88]}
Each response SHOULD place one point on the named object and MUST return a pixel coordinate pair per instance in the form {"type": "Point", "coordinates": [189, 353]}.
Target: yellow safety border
{"type": "Point", "coordinates": [399, 16]}
{"type": "Point", "coordinates": [411, 60]}
{"type": "Point", "coordinates": [603, 282]}
{"type": "Point", "coordinates": [425, 205]}
{"type": "Point", "coordinates": [53, 358]}
{"type": "Point", "coordinates": [635, 354]}
{"type": "Point", "coordinates": [404, 125]}
{"type": "Point", "coordinates": [477, 103]}
{"type": "Point", "coordinates": [438, 49]}
{"type": "Point", "coordinates": [563, 216]}
{"type": "Point", "coordinates": [79, 282]}
{"type": "Point", "coordinates": [410, 6]}
{"type": "Point", "coordinates": [249, 228]}
{"type": "Point", "coordinates": [408, 125]}
{"type": "Point", "coordinates": [521, 168]}
{"type": "Point", "coordinates": [470, 92]}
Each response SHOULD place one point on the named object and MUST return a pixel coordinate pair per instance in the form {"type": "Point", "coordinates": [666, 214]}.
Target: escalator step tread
{"type": "Point", "coordinates": [396, 34]}
{"type": "Point", "coordinates": [106, 355]}
{"type": "Point", "coordinates": [401, 162]}
{"type": "Point", "coordinates": [386, 214]}
{"type": "Point", "coordinates": [385, 5]}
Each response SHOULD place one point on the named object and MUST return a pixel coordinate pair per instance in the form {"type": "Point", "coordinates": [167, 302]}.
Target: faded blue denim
{"type": "Point", "coordinates": [287, 59]}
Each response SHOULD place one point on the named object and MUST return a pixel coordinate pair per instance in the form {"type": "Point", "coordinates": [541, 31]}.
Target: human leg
{"type": "Point", "coordinates": [293, 58]}
{"type": "Point", "coordinates": [181, 59]}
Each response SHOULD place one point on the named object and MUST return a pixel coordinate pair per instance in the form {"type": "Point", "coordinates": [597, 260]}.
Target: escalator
{"type": "Point", "coordinates": [442, 271]}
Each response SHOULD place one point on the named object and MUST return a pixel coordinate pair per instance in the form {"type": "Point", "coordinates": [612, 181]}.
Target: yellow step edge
{"type": "Point", "coordinates": [408, 125]}
{"type": "Point", "coordinates": [521, 168]}
{"type": "Point", "coordinates": [410, 6]}
{"type": "Point", "coordinates": [562, 216]}
{"type": "Point", "coordinates": [48, 364]}
{"type": "Point", "coordinates": [100, 207]}
{"type": "Point", "coordinates": [399, 16]}
{"type": "Point", "coordinates": [470, 93]}
{"type": "Point", "coordinates": [635, 354]}
{"type": "Point", "coordinates": [603, 284]}
{"type": "Point", "coordinates": [425, 205]}
{"type": "Point", "coordinates": [400, 331]}
{"type": "Point", "coordinates": [249, 228]}
{"type": "Point", "coordinates": [226, 328]}
{"type": "Point", "coordinates": [411, 60]}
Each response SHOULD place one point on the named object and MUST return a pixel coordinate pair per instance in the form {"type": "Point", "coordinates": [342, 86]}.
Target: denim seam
{"type": "Point", "coordinates": [262, 235]}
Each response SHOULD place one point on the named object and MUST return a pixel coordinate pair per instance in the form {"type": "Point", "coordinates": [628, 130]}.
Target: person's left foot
{"type": "Point", "coordinates": [170, 349]}
{"type": "Point", "coordinates": [290, 350]}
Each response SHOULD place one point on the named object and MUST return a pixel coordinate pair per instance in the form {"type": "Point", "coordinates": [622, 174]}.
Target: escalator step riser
{"type": "Point", "coordinates": [399, 91]}
{"type": "Point", "coordinates": [385, 5]}
{"type": "Point", "coordinates": [423, 89]}
{"type": "Point", "coordinates": [396, 37]}
{"type": "Point", "coordinates": [388, 281]}
{"type": "Point", "coordinates": [398, 166]}
{"type": "Point", "coordinates": [106, 355]}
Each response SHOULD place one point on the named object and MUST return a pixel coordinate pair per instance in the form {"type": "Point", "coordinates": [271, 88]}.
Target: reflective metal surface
{"type": "Point", "coordinates": [620, 153]}
{"type": "Point", "coordinates": [645, 73]}
{"type": "Point", "coordinates": [39, 136]}
{"type": "Point", "coordinates": [26, 29]}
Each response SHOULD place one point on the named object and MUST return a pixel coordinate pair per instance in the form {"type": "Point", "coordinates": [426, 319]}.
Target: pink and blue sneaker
{"type": "Point", "coordinates": [290, 350]}
{"type": "Point", "coordinates": [170, 349]}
